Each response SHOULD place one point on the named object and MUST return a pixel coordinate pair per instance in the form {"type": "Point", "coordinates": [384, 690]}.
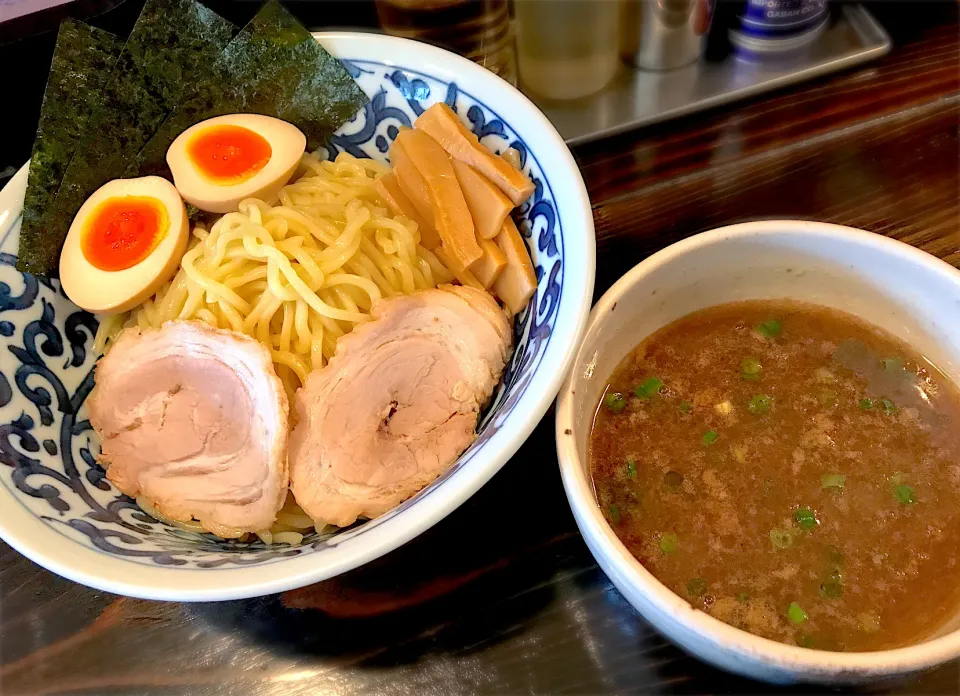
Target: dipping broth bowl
{"type": "Point", "coordinates": [907, 292]}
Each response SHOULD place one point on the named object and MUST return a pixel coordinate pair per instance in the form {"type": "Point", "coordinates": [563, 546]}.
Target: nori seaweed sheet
{"type": "Point", "coordinates": [173, 43]}
{"type": "Point", "coordinates": [272, 67]}
{"type": "Point", "coordinates": [82, 61]}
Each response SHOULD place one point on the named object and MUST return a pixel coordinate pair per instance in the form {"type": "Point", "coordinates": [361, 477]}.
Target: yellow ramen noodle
{"type": "Point", "coordinates": [296, 275]}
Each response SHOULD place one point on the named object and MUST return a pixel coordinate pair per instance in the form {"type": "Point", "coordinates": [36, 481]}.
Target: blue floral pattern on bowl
{"type": "Point", "coordinates": [47, 447]}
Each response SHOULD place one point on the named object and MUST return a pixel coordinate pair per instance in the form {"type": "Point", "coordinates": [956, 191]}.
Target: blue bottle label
{"type": "Point", "coordinates": [781, 17]}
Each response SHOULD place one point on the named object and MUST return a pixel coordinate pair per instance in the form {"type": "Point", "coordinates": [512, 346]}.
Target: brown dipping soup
{"type": "Point", "coordinates": [790, 470]}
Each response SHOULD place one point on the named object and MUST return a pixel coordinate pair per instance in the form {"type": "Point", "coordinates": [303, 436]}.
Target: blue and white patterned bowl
{"type": "Point", "coordinates": [56, 506]}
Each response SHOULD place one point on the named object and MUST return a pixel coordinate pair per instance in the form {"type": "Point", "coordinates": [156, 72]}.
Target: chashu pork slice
{"type": "Point", "coordinates": [397, 404]}
{"type": "Point", "coordinates": [194, 419]}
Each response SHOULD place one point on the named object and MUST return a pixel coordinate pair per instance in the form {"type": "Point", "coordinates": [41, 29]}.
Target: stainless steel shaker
{"type": "Point", "coordinates": [665, 34]}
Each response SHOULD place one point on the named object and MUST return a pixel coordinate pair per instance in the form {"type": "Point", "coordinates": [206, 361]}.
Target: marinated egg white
{"type": "Point", "coordinates": [125, 242]}
{"type": "Point", "coordinates": [221, 161]}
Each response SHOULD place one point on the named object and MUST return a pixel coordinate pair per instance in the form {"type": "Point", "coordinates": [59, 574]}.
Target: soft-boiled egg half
{"type": "Point", "coordinates": [221, 161]}
{"type": "Point", "coordinates": [125, 242]}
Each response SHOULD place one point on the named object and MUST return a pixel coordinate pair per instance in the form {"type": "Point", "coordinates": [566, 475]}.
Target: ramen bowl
{"type": "Point", "coordinates": [57, 507]}
{"type": "Point", "coordinates": [886, 283]}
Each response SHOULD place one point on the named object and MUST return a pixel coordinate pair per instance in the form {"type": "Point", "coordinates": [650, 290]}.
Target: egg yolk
{"type": "Point", "coordinates": [123, 231]}
{"type": "Point", "coordinates": [229, 154]}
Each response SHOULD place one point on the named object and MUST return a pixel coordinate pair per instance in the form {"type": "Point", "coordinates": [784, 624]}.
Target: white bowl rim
{"type": "Point", "coordinates": [94, 569]}
{"type": "Point", "coordinates": [810, 662]}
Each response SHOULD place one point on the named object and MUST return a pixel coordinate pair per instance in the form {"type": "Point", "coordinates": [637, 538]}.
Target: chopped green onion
{"type": "Point", "coordinates": [709, 437]}
{"type": "Point", "coordinates": [888, 407]}
{"type": "Point", "coordinates": [833, 481]}
{"type": "Point", "coordinates": [685, 407]}
{"type": "Point", "coordinates": [760, 404]}
{"type": "Point", "coordinates": [832, 589]}
{"type": "Point", "coordinates": [770, 328]}
{"type": "Point", "coordinates": [669, 542]}
{"type": "Point", "coordinates": [781, 538]}
{"type": "Point", "coordinates": [615, 513]}
{"type": "Point", "coordinates": [696, 587]}
{"type": "Point", "coordinates": [649, 388]}
{"type": "Point", "coordinates": [834, 556]}
{"type": "Point", "coordinates": [750, 368]}
{"type": "Point", "coordinates": [742, 596]}
{"type": "Point", "coordinates": [615, 401]}
{"type": "Point", "coordinates": [805, 641]}
{"type": "Point", "coordinates": [673, 479]}
{"type": "Point", "coordinates": [805, 518]}
{"type": "Point", "coordinates": [631, 468]}
{"type": "Point", "coordinates": [904, 494]}
{"type": "Point", "coordinates": [795, 614]}
{"type": "Point", "coordinates": [866, 404]}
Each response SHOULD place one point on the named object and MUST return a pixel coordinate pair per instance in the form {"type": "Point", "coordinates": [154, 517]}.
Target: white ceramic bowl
{"type": "Point", "coordinates": [901, 289]}
{"type": "Point", "coordinates": [57, 508]}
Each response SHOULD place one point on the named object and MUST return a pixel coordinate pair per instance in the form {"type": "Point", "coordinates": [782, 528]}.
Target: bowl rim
{"type": "Point", "coordinates": [35, 539]}
{"type": "Point", "coordinates": [607, 547]}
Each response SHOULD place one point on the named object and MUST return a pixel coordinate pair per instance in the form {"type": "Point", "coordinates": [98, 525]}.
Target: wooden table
{"type": "Point", "coordinates": [503, 596]}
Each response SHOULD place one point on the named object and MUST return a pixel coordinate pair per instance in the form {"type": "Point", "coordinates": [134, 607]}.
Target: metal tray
{"type": "Point", "coordinates": [638, 98]}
